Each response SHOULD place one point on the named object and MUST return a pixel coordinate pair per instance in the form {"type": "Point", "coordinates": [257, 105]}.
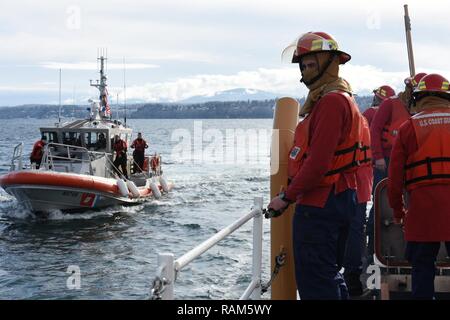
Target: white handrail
{"type": "Point", "coordinates": [184, 260]}
{"type": "Point", "coordinates": [47, 159]}
{"type": "Point", "coordinates": [17, 155]}
{"type": "Point", "coordinates": [163, 284]}
{"type": "Point", "coordinates": [251, 289]}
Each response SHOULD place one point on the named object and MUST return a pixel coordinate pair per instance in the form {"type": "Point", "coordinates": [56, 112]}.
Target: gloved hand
{"type": "Point", "coordinates": [277, 206]}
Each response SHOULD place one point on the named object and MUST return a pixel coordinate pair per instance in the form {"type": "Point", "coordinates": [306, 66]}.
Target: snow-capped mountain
{"type": "Point", "coordinates": [238, 94]}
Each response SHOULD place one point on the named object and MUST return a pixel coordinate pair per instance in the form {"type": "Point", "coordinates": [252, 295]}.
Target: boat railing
{"type": "Point", "coordinates": [17, 157]}
{"type": "Point", "coordinates": [65, 152]}
{"type": "Point", "coordinates": [168, 267]}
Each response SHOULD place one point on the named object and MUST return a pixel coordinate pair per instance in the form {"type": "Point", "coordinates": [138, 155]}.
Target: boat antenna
{"type": "Point", "coordinates": [117, 104]}
{"type": "Point", "coordinates": [73, 101]}
{"type": "Point", "coordinates": [124, 93]}
{"type": "Point", "coordinates": [101, 85]}
{"type": "Point", "coordinates": [59, 111]}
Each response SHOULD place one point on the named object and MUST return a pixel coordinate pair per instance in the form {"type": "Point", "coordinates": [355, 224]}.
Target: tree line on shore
{"type": "Point", "coordinates": [249, 109]}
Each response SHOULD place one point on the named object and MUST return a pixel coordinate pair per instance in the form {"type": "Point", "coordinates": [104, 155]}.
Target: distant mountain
{"type": "Point", "coordinates": [238, 94]}
{"type": "Point", "coordinates": [245, 108]}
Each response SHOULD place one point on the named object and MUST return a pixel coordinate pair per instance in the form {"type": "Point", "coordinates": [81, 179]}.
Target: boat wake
{"type": "Point", "coordinates": [58, 215]}
{"type": "Point", "coordinates": [11, 209]}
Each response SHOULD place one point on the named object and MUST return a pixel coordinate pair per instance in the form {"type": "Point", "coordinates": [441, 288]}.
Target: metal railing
{"type": "Point", "coordinates": [17, 156]}
{"type": "Point", "coordinates": [168, 267]}
{"type": "Point", "coordinates": [65, 154]}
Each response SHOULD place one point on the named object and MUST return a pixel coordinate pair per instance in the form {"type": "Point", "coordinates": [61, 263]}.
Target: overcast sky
{"type": "Point", "coordinates": [180, 48]}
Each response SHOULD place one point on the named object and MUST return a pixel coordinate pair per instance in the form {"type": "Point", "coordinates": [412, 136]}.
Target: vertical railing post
{"type": "Point", "coordinates": [20, 155]}
{"type": "Point", "coordinates": [257, 248]}
{"type": "Point", "coordinates": [166, 263]}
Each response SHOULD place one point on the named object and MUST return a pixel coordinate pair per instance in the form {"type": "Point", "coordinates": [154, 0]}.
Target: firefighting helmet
{"type": "Point", "coordinates": [313, 42]}
{"type": "Point", "coordinates": [384, 92]}
{"type": "Point", "coordinates": [432, 85]}
{"type": "Point", "coordinates": [414, 81]}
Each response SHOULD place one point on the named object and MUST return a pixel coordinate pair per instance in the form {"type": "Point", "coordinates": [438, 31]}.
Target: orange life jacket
{"type": "Point", "coordinates": [430, 164]}
{"type": "Point", "coordinates": [154, 162]}
{"type": "Point", "coordinates": [38, 150]}
{"type": "Point", "coordinates": [120, 146]}
{"type": "Point", "coordinates": [398, 116]}
{"type": "Point", "coordinates": [348, 155]}
{"type": "Point", "coordinates": [366, 153]}
{"type": "Point", "coordinates": [139, 145]}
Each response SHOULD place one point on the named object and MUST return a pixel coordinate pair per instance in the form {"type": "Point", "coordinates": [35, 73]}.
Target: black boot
{"type": "Point", "coordinates": [354, 284]}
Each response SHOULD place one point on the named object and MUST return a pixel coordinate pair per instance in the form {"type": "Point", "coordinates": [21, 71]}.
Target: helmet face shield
{"type": "Point", "coordinates": [288, 52]}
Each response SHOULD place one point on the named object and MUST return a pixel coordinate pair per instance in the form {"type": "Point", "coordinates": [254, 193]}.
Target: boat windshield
{"type": "Point", "coordinates": [51, 136]}
{"type": "Point", "coordinates": [122, 136]}
{"type": "Point", "coordinates": [95, 141]}
{"type": "Point", "coordinates": [72, 138]}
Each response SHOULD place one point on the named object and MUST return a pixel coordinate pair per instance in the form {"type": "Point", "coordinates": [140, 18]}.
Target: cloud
{"type": "Point", "coordinates": [94, 66]}
{"type": "Point", "coordinates": [283, 81]}
{"type": "Point", "coordinates": [32, 89]}
{"type": "Point", "coordinates": [272, 80]}
{"type": "Point", "coordinates": [212, 45]}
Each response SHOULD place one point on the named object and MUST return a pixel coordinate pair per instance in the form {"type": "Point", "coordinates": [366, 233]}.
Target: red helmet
{"type": "Point", "coordinates": [313, 42]}
{"type": "Point", "coordinates": [414, 81]}
{"type": "Point", "coordinates": [433, 83]}
{"type": "Point", "coordinates": [384, 92]}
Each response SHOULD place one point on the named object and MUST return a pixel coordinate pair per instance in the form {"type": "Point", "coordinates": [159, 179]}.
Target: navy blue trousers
{"type": "Point", "coordinates": [319, 240]}
{"type": "Point", "coordinates": [377, 177]}
{"type": "Point", "coordinates": [356, 243]}
{"type": "Point", "coordinates": [422, 256]}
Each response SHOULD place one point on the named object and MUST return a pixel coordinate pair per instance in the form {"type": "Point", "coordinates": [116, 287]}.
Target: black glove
{"type": "Point", "coordinates": [270, 213]}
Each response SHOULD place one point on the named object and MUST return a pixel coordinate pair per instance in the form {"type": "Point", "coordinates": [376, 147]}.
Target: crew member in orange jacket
{"type": "Point", "coordinates": [38, 151]}
{"type": "Point", "coordinates": [139, 145]}
{"type": "Point", "coordinates": [322, 168]}
{"type": "Point", "coordinates": [419, 163]}
{"type": "Point", "coordinates": [383, 130]}
{"type": "Point", "coordinates": [120, 147]}
{"type": "Point", "coordinates": [380, 94]}
{"type": "Point", "coordinates": [354, 253]}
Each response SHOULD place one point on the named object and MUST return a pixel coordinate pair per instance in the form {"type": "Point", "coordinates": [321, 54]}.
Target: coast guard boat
{"type": "Point", "coordinates": [77, 170]}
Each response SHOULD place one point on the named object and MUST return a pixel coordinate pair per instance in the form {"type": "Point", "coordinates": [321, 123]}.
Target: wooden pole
{"type": "Point", "coordinates": [284, 124]}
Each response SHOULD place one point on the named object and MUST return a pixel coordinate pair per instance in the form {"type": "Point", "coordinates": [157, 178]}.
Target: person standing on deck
{"type": "Point", "coordinates": [120, 147]}
{"type": "Point", "coordinates": [356, 243]}
{"type": "Point", "coordinates": [391, 114]}
{"type": "Point", "coordinates": [139, 145]}
{"type": "Point", "coordinates": [38, 152]}
{"type": "Point", "coordinates": [420, 163]}
{"type": "Point", "coordinates": [380, 94]}
{"type": "Point", "coordinates": [322, 169]}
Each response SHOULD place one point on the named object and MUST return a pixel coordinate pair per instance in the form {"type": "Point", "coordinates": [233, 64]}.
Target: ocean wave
{"type": "Point", "coordinates": [59, 215]}
{"type": "Point", "coordinates": [257, 179]}
{"type": "Point", "coordinates": [11, 209]}
{"type": "Point", "coordinates": [192, 226]}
